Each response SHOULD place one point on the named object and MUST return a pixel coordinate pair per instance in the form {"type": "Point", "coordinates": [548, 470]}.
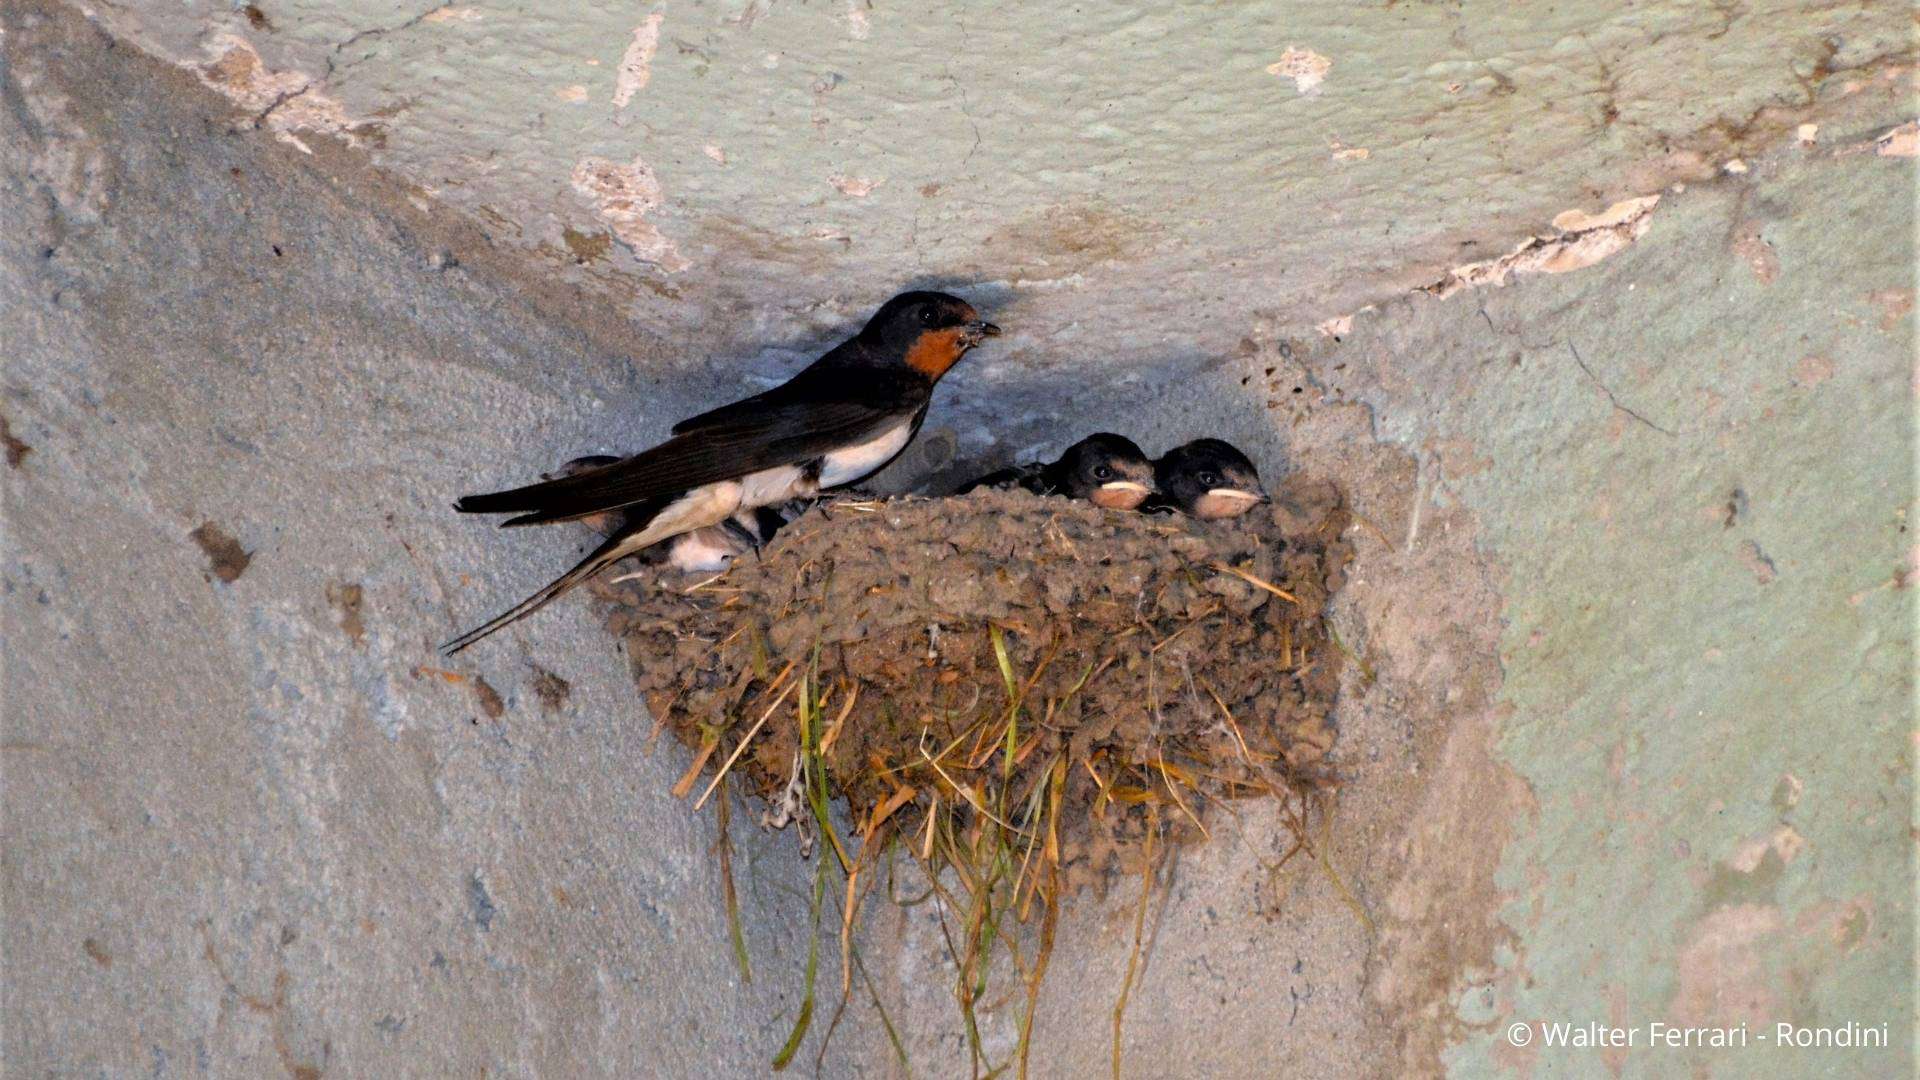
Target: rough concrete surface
{"type": "Point", "coordinates": [1633, 550]}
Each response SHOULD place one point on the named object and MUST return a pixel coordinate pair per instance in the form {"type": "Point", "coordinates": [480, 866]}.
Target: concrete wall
{"type": "Point", "coordinates": [1633, 559]}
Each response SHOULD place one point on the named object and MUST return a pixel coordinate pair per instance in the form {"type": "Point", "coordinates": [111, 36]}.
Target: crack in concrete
{"type": "Point", "coordinates": [280, 99]}
{"type": "Point", "coordinates": [334, 67]}
{"type": "Point", "coordinates": [966, 106]}
{"type": "Point", "coordinates": [1607, 390]}
{"type": "Point", "coordinates": [382, 31]}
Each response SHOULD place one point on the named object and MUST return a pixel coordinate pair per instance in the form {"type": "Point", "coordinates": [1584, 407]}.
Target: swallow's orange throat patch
{"type": "Point", "coordinates": [936, 351]}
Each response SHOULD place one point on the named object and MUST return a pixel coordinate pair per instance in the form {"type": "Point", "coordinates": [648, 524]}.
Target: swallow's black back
{"type": "Point", "coordinates": [858, 390]}
{"type": "Point", "coordinates": [851, 394]}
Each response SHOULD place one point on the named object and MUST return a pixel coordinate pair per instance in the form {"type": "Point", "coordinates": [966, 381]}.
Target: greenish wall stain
{"type": "Point", "coordinates": [1708, 647]}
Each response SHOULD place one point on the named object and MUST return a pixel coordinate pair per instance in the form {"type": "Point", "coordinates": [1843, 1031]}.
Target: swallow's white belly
{"type": "Point", "coordinates": [710, 504]}
{"type": "Point", "coordinates": [770, 486]}
{"type": "Point", "coordinates": [846, 466]}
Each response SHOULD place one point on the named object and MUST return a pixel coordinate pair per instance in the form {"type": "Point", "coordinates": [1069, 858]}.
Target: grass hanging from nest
{"type": "Point", "coordinates": [988, 842]}
{"type": "Point", "coordinates": [723, 847]}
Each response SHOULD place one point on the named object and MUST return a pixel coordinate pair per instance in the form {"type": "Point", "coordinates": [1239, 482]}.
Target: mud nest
{"type": "Point", "coordinates": [1070, 683]}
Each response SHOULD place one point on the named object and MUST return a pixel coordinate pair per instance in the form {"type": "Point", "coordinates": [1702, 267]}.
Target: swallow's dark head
{"type": "Point", "coordinates": [1107, 470]}
{"type": "Point", "coordinates": [1210, 479]}
{"type": "Point", "coordinates": [929, 331]}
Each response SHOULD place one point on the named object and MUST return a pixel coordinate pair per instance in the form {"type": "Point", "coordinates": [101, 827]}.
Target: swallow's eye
{"type": "Point", "coordinates": [926, 315]}
{"type": "Point", "coordinates": [1101, 472]}
{"type": "Point", "coordinates": [1208, 479]}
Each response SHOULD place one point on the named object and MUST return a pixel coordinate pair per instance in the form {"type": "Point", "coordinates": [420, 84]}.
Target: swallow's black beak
{"type": "Point", "coordinates": [980, 329]}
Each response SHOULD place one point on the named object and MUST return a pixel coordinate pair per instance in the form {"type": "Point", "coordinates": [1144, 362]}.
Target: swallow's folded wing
{"type": "Point", "coordinates": [826, 381]}
{"type": "Point", "coordinates": [727, 444]}
{"type": "Point", "coordinates": [732, 413]}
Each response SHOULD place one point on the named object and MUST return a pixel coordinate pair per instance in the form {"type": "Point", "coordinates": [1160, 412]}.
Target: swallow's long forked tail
{"type": "Point", "coordinates": [648, 523]}
{"type": "Point", "coordinates": [612, 550]}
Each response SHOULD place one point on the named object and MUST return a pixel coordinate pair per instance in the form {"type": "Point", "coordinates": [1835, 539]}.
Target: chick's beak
{"type": "Point", "coordinates": [1120, 494]}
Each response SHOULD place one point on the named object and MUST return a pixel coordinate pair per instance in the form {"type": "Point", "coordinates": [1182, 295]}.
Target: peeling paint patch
{"type": "Point", "coordinates": [1342, 326]}
{"type": "Point", "coordinates": [1307, 69]}
{"type": "Point", "coordinates": [857, 187]}
{"type": "Point", "coordinates": [1903, 141]}
{"type": "Point", "coordinates": [283, 101]}
{"type": "Point", "coordinates": [238, 73]}
{"type": "Point", "coordinates": [575, 93]}
{"type": "Point", "coordinates": [718, 155]}
{"type": "Point", "coordinates": [311, 112]}
{"type": "Point", "coordinates": [623, 196]}
{"type": "Point", "coordinates": [1580, 240]}
{"type": "Point", "coordinates": [1620, 213]}
{"type": "Point", "coordinates": [636, 64]}
{"type": "Point", "coordinates": [1808, 134]}
{"type": "Point", "coordinates": [859, 24]}
{"type": "Point", "coordinates": [1783, 842]}
{"type": "Point", "coordinates": [1343, 152]}
{"type": "Point", "coordinates": [452, 13]}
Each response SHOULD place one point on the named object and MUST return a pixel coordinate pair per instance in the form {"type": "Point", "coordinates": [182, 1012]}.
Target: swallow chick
{"type": "Point", "coordinates": [1207, 478]}
{"type": "Point", "coordinates": [708, 550]}
{"type": "Point", "coordinates": [1105, 469]}
{"type": "Point", "coordinates": [841, 419]}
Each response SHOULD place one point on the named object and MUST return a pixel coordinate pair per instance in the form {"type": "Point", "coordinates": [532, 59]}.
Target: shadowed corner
{"type": "Point", "coordinates": [993, 419]}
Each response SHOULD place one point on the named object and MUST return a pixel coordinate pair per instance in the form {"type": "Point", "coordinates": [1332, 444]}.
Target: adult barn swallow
{"type": "Point", "coordinates": [839, 420]}
{"type": "Point", "coordinates": [1208, 479]}
{"type": "Point", "coordinates": [1105, 469]}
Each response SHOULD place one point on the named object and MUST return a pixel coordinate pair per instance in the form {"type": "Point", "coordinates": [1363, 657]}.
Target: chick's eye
{"type": "Point", "coordinates": [1208, 479]}
{"type": "Point", "coordinates": [1101, 472]}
